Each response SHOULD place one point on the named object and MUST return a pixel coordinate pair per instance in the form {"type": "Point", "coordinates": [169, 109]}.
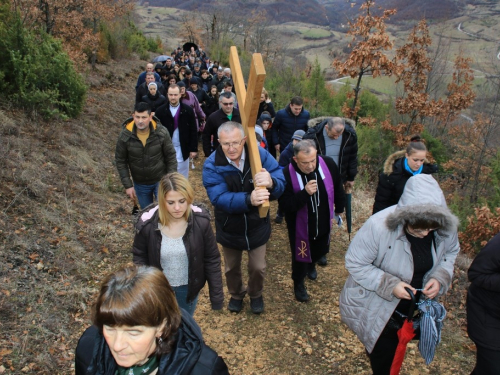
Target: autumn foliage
{"type": "Point", "coordinates": [368, 56]}
{"type": "Point", "coordinates": [74, 22]}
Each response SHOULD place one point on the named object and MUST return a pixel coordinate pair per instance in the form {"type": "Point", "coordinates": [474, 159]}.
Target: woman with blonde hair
{"type": "Point", "coordinates": [177, 238]}
{"type": "Point", "coordinates": [139, 329]}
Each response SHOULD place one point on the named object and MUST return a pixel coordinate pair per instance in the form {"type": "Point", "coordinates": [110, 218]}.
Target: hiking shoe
{"type": "Point", "coordinates": [257, 305]}
{"type": "Point", "coordinates": [300, 292]}
{"type": "Point", "coordinates": [279, 219]}
{"type": "Point", "coordinates": [322, 261]}
{"type": "Point", "coordinates": [135, 210]}
{"type": "Point", "coordinates": [235, 305]}
{"type": "Point", "coordinates": [312, 274]}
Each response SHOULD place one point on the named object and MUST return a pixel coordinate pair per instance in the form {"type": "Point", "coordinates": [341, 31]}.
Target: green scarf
{"type": "Point", "coordinates": [145, 369]}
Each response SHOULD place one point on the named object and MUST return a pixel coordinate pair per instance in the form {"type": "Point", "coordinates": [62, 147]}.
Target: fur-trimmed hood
{"type": "Point", "coordinates": [422, 199]}
{"type": "Point", "coordinates": [318, 120]}
{"type": "Point", "coordinates": [389, 162]}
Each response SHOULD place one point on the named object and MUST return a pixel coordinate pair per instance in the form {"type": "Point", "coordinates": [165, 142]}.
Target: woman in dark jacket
{"type": "Point", "coordinates": [266, 105]}
{"type": "Point", "coordinates": [212, 104]}
{"type": "Point", "coordinates": [177, 238]}
{"type": "Point", "coordinates": [154, 98]}
{"type": "Point", "coordinates": [398, 168]}
{"type": "Point", "coordinates": [139, 329]}
{"type": "Point", "coordinates": [483, 308]}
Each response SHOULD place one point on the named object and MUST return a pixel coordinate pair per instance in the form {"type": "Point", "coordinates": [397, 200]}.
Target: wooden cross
{"type": "Point", "coordinates": [248, 104]}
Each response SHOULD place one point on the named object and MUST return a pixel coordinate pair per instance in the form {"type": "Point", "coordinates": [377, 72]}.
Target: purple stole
{"type": "Point", "coordinates": [176, 117]}
{"type": "Point", "coordinates": [302, 247]}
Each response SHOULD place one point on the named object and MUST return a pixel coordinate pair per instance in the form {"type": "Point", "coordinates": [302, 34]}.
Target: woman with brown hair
{"type": "Point", "coordinates": [177, 238]}
{"type": "Point", "coordinates": [139, 329]}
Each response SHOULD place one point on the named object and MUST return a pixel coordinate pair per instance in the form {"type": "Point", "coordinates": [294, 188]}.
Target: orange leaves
{"type": "Point", "coordinates": [369, 41]}
{"type": "Point", "coordinates": [481, 227]}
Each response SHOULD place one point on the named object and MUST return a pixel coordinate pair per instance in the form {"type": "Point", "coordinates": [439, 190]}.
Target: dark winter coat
{"type": "Point", "coordinates": [392, 180]}
{"type": "Point", "coordinates": [201, 248]}
{"type": "Point", "coordinates": [147, 164]}
{"type": "Point", "coordinates": [215, 120]}
{"type": "Point", "coordinates": [202, 97]}
{"type": "Point", "coordinates": [348, 159]}
{"type": "Point", "coordinates": [218, 82]}
{"type": "Point", "coordinates": [154, 101]}
{"type": "Point", "coordinates": [189, 355]}
{"type": "Point", "coordinates": [291, 202]}
{"type": "Point", "coordinates": [211, 105]}
{"type": "Point", "coordinates": [188, 131]}
{"type": "Point", "coordinates": [142, 78]}
{"type": "Point", "coordinates": [144, 90]}
{"type": "Point", "coordinates": [483, 298]}
{"type": "Point", "coordinates": [266, 107]}
{"type": "Point", "coordinates": [286, 123]}
{"type": "Point", "coordinates": [286, 155]}
{"type": "Point", "coordinates": [238, 224]}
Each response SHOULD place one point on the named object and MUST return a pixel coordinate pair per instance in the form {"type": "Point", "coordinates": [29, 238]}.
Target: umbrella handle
{"type": "Point", "coordinates": [413, 304]}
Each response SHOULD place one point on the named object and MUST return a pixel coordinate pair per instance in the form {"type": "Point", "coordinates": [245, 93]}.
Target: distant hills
{"type": "Point", "coordinates": [331, 13]}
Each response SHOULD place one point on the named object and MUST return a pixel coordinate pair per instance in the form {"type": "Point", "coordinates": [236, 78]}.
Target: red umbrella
{"type": "Point", "coordinates": [405, 334]}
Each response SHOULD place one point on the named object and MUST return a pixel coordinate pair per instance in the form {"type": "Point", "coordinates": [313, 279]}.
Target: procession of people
{"type": "Point", "coordinates": [400, 260]}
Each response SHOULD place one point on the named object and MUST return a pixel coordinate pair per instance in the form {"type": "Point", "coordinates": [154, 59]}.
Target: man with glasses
{"type": "Point", "coordinates": [227, 112]}
{"type": "Point", "coordinates": [230, 187]}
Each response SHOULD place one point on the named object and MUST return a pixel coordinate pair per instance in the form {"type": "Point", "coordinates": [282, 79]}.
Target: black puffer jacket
{"type": "Point", "coordinates": [189, 356]}
{"type": "Point", "coordinates": [483, 298]}
{"type": "Point", "coordinates": [348, 159]}
{"type": "Point", "coordinates": [286, 123]}
{"type": "Point", "coordinates": [143, 90]}
{"type": "Point", "coordinates": [147, 164]}
{"type": "Point", "coordinates": [393, 179]}
{"type": "Point", "coordinates": [188, 131]}
{"type": "Point", "coordinates": [201, 247]}
{"type": "Point", "coordinates": [154, 101]}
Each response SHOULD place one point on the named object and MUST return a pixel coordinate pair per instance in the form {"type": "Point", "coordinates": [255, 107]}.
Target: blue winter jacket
{"type": "Point", "coordinates": [238, 224]}
{"type": "Point", "coordinates": [286, 123]}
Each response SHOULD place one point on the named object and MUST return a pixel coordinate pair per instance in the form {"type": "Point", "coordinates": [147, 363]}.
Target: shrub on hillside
{"type": "Point", "coordinates": [36, 73]}
{"type": "Point", "coordinates": [481, 228]}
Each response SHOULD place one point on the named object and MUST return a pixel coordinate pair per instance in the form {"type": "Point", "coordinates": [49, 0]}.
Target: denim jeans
{"type": "Point", "coordinates": [146, 194]}
{"type": "Point", "coordinates": [181, 297]}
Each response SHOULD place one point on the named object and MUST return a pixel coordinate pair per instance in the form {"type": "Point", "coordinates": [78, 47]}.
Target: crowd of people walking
{"type": "Point", "coordinates": [403, 256]}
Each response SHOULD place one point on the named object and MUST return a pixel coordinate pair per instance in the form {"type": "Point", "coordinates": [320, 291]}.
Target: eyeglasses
{"type": "Point", "coordinates": [229, 145]}
{"type": "Point", "coordinates": [227, 104]}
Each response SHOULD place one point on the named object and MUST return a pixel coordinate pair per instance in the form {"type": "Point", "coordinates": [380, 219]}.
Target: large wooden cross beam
{"type": "Point", "coordinates": [248, 104]}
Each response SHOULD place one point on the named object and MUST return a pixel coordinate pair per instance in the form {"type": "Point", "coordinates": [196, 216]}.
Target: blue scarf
{"type": "Point", "coordinates": [414, 173]}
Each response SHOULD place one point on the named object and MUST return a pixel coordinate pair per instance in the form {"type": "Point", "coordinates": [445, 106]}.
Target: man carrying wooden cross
{"type": "Point", "coordinates": [230, 187]}
{"type": "Point", "coordinates": [241, 178]}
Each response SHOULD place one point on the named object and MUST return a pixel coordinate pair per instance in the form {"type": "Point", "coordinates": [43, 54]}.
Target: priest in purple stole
{"type": "Point", "coordinates": [313, 198]}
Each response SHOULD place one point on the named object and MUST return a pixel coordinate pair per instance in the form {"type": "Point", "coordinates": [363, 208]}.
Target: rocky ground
{"type": "Point", "coordinates": [65, 222]}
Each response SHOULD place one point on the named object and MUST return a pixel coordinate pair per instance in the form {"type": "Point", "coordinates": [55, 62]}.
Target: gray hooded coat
{"type": "Point", "coordinates": [379, 257]}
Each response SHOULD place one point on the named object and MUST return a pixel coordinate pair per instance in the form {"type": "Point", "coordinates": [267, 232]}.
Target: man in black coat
{"type": "Point", "coordinates": [226, 113]}
{"type": "Point", "coordinates": [313, 198]}
{"type": "Point", "coordinates": [337, 139]}
{"type": "Point", "coordinates": [180, 122]}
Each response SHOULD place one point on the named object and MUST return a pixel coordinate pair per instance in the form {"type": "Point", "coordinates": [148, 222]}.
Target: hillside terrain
{"type": "Point", "coordinates": [469, 28]}
{"type": "Point", "coordinates": [65, 223]}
